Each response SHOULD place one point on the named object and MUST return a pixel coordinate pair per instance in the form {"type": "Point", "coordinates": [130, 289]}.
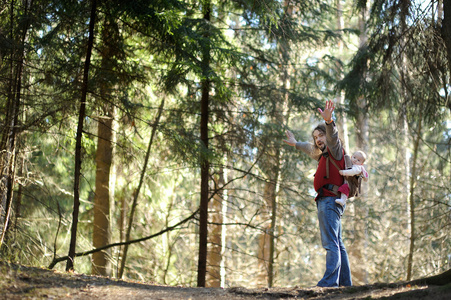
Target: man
{"type": "Point", "coordinates": [328, 150]}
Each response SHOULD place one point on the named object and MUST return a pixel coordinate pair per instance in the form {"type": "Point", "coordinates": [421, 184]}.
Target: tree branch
{"type": "Point", "coordinates": [170, 228]}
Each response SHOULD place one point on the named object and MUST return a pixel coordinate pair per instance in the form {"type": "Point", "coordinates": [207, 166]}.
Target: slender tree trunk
{"type": "Point", "coordinates": [358, 248]}
{"type": "Point", "coordinates": [81, 116]}
{"type": "Point", "coordinates": [408, 176]}
{"type": "Point", "coordinates": [266, 239]}
{"type": "Point", "coordinates": [224, 208]}
{"type": "Point", "coordinates": [204, 161]}
{"type": "Point", "coordinates": [167, 238]}
{"type": "Point", "coordinates": [272, 226]}
{"type": "Point", "coordinates": [446, 32]}
{"type": "Point", "coordinates": [214, 256]}
{"type": "Point", "coordinates": [412, 199]}
{"type": "Point", "coordinates": [342, 121]}
{"type": "Point", "coordinates": [136, 193]}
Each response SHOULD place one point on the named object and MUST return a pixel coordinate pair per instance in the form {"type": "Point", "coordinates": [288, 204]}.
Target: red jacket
{"type": "Point", "coordinates": [334, 176]}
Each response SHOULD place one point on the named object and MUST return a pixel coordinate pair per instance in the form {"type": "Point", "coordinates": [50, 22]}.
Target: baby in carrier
{"type": "Point", "coordinates": [353, 177]}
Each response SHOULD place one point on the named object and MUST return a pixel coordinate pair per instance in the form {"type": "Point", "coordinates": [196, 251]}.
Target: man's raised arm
{"type": "Point", "coordinates": [332, 140]}
{"type": "Point", "coordinates": [306, 147]}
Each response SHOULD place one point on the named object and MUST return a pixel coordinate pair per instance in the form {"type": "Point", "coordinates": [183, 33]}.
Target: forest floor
{"type": "Point", "coordinates": [22, 282]}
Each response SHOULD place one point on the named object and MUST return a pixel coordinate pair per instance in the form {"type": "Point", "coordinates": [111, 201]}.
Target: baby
{"type": "Point", "coordinates": [357, 159]}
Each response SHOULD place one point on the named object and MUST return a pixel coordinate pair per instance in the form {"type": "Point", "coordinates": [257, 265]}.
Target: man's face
{"type": "Point", "coordinates": [320, 139]}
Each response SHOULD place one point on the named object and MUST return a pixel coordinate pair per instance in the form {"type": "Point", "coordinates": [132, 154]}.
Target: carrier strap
{"type": "Point", "coordinates": [327, 156]}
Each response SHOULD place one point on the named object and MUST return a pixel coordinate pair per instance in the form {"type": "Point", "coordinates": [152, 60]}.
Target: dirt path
{"type": "Point", "coordinates": [20, 282]}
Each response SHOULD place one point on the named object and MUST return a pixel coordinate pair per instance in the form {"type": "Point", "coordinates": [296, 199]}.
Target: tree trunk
{"type": "Point", "coordinates": [204, 161]}
{"type": "Point", "coordinates": [266, 246]}
{"type": "Point", "coordinates": [102, 229]}
{"type": "Point", "coordinates": [413, 176]}
{"type": "Point", "coordinates": [104, 155]}
{"type": "Point", "coordinates": [342, 122]}
{"type": "Point", "coordinates": [406, 141]}
{"type": "Point", "coordinates": [266, 240]}
{"type": "Point", "coordinates": [224, 208]}
{"type": "Point", "coordinates": [446, 31]}
{"type": "Point", "coordinates": [214, 256]}
{"type": "Point", "coordinates": [81, 116]}
{"type": "Point", "coordinates": [358, 248]}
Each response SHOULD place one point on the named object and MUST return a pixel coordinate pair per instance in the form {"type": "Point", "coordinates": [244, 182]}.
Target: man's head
{"type": "Point", "coordinates": [358, 158]}
{"type": "Point", "coordinates": [319, 136]}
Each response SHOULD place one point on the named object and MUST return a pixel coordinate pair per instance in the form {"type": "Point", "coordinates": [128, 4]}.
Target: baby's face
{"type": "Point", "coordinates": [357, 159]}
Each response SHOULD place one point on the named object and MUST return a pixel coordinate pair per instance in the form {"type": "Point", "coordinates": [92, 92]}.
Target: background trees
{"type": "Point", "coordinates": [186, 107]}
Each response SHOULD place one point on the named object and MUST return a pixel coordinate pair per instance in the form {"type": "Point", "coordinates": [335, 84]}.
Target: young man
{"type": "Point", "coordinates": [327, 146]}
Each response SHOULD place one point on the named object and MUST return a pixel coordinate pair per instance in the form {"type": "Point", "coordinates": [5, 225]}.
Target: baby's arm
{"type": "Point", "coordinates": [364, 173]}
{"type": "Point", "coordinates": [355, 170]}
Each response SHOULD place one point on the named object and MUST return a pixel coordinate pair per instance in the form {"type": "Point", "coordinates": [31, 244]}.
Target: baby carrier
{"type": "Point", "coordinates": [354, 182]}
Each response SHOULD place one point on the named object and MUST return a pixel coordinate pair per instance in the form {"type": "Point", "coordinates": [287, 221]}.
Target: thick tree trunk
{"type": "Point", "coordinates": [104, 155]}
{"type": "Point", "coordinates": [81, 116]}
{"type": "Point", "coordinates": [266, 245]}
{"type": "Point", "coordinates": [104, 159]}
{"type": "Point", "coordinates": [204, 162]}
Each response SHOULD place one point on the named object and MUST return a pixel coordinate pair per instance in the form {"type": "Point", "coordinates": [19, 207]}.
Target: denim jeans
{"type": "Point", "coordinates": [338, 271]}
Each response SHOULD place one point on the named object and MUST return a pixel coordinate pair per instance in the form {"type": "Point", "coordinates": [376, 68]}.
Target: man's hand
{"type": "Point", "coordinates": [328, 110]}
{"type": "Point", "coordinates": [290, 139]}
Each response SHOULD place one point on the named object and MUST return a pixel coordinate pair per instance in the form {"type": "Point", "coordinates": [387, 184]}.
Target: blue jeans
{"type": "Point", "coordinates": [338, 271]}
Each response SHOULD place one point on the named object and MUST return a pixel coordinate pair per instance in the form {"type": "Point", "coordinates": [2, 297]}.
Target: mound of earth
{"type": "Point", "coordinates": [22, 282]}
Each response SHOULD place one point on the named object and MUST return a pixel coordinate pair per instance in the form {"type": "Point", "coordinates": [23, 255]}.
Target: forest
{"type": "Point", "coordinates": [144, 139]}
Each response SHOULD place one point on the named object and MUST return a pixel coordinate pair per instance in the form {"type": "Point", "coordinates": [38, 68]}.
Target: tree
{"type": "Point", "coordinates": [17, 47]}
{"type": "Point", "coordinates": [360, 238]}
{"type": "Point", "coordinates": [446, 29]}
{"type": "Point", "coordinates": [204, 161]}
{"type": "Point", "coordinates": [104, 154]}
{"type": "Point", "coordinates": [78, 146]}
